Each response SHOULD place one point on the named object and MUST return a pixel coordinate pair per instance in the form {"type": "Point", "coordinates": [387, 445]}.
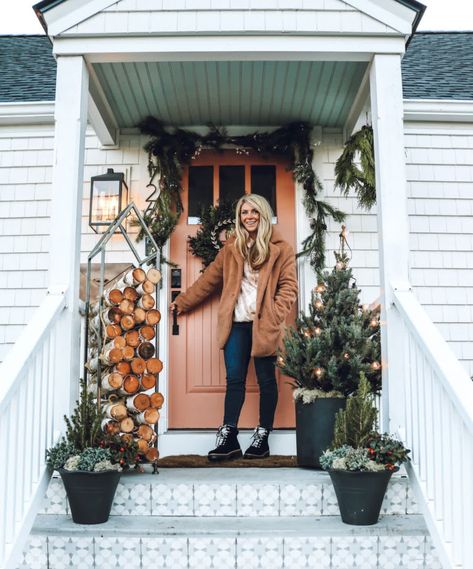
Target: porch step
{"type": "Point", "coordinates": [247, 492]}
{"type": "Point", "coordinates": [220, 518]}
{"type": "Point", "coordinates": [141, 542]}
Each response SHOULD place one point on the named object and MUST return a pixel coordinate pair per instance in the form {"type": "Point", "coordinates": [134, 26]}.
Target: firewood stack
{"type": "Point", "coordinates": [129, 368]}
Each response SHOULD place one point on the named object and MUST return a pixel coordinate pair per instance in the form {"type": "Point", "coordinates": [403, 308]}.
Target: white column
{"type": "Point", "coordinates": [70, 124]}
{"type": "Point", "coordinates": [391, 192]}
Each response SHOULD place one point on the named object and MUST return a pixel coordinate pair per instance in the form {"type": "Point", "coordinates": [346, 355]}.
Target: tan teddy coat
{"type": "Point", "coordinates": [276, 293]}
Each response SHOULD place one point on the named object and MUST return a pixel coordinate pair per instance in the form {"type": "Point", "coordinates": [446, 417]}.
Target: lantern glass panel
{"type": "Point", "coordinates": [105, 201]}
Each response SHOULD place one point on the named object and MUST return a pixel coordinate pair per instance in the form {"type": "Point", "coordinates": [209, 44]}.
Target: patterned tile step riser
{"type": "Point", "coordinates": [235, 499]}
{"type": "Point", "coordinates": [367, 552]}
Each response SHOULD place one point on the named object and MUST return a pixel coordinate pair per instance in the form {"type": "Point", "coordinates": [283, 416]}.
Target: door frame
{"type": "Point", "coordinates": [200, 441]}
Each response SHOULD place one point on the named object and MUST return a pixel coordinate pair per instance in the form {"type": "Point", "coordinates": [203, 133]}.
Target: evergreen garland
{"type": "Point", "coordinates": [361, 179]}
{"type": "Point", "coordinates": [336, 341]}
{"type": "Point", "coordinates": [214, 220]}
{"type": "Point", "coordinates": [170, 150]}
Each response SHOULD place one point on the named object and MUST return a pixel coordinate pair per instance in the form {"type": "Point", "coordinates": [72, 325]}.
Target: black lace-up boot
{"type": "Point", "coordinates": [259, 448]}
{"type": "Point", "coordinates": [227, 446]}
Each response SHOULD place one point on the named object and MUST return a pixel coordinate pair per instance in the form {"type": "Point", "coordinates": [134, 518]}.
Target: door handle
{"type": "Point", "coordinates": [175, 325]}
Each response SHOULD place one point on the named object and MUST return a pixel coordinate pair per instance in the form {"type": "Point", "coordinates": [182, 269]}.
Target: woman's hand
{"type": "Point", "coordinates": [173, 307]}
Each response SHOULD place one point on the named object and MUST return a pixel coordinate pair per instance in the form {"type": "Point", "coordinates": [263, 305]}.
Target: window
{"type": "Point", "coordinates": [200, 191]}
{"type": "Point", "coordinates": [232, 183]}
{"type": "Point", "coordinates": [263, 183]}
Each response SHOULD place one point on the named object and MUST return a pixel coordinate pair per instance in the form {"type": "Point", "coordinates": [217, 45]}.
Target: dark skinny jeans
{"type": "Point", "coordinates": [237, 352]}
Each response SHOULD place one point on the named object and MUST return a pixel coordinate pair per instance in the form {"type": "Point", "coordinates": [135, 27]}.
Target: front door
{"type": "Point", "coordinates": [196, 369]}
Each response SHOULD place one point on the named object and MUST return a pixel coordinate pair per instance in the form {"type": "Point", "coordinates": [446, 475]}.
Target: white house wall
{"type": "Point", "coordinates": [440, 184]}
{"type": "Point", "coordinates": [227, 16]}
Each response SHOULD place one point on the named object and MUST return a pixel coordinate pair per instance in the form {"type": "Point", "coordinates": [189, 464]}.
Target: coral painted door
{"type": "Point", "coordinates": [196, 369]}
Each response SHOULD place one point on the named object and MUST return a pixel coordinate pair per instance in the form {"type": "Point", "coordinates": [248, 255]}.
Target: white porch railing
{"type": "Point", "coordinates": [31, 407]}
{"type": "Point", "coordinates": [436, 401]}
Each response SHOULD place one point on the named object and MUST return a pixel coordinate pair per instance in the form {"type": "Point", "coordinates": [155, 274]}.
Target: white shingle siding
{"type": "Point", "coordinates": [440, 187]}
{"type": "Point", "coordinates": [198, 16]}
{"type": "Point", "coordinates": [25, 175]}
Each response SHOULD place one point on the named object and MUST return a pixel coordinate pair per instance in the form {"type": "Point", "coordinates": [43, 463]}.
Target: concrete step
{"type": "Point", "coordinates": [141, 542]}
{"type": "Point", "coordinates": [245, 492]}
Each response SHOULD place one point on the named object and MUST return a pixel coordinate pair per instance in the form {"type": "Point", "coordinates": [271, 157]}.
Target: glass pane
{"type": "Point", "coordinates": [201, 184]}
{"type": "Point", "coordinates": [232, 183]}
{"type": "Point", "coordinates": [263, 183]}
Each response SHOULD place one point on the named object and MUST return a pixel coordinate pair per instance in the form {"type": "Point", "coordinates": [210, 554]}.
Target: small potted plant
{"type": "Point", "coordinates": [89, 463]}
{"type": "Point", "coordinates": [361, 460]}
{"type": "Point", "coordinates": [325, 353]}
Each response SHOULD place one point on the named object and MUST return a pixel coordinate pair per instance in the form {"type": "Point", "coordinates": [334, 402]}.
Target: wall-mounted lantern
{"type": "Point", "coordinates": [108, 197]}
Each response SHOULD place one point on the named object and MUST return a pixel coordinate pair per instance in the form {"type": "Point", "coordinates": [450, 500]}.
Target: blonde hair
{"type": "Point", "coordinates": [258, 252]}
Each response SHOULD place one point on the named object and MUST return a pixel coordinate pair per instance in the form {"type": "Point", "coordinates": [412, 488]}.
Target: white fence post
{"type": "Point", "coordinates": [71, 122]}
{"type": "Point", "coordinates": [391, 192]}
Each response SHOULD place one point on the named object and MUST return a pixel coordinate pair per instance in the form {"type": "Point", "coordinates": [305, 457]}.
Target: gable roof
{"type": "Point", "coordinates": [439, 65]}
{"type": "Point", "coordinates": [27, 69]}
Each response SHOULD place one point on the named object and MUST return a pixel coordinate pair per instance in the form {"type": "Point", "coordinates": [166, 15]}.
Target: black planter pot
{"type": "Point", "coordinates": [360, 494]}
{"type": "Point", "coordinates": [314, 428]}
{"type": "Point", "coordinates": [90, 494]}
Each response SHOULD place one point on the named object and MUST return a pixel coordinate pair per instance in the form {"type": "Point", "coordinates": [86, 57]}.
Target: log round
{"type": "Point", "coordinates": [127, 322]}
{"type": "Point", "coordinates": [149, 416]}
{"type": "Point", "coordinates": [147, 333]}
{"type": "Point", "coordinates": [143, 445]}
{"type": "Point", "coordinates": [138, 365]}
{"type": "Point", "coordinates": [112, 381]}
{"type": "Point", "coordinates": [112, 315]}
{"type": "Point", "coordinates": [138, 402]}
{"type": "Point", "coordinates": [116, 411]}
{"type": "Point", "coordinates": [113, 297]}
{"type": "Point", "coordinates": [132, 338]}
{"type": "Point", "coordinates": [153, 275]}
{"type": "Point", "coordinates": [127, 307]}
{"type": "Point", "coordinates": [152, 455]}
{"type": "Point", "coordinates": [127, 425]}
{"type": "Point", "coordinates": [156, 400]}
{"type": "Point", "coordinates": [146, 350]}
{"type": "Point", "coordinates": [128, 353]}
{"type": "Point", "coordinates": [153, 316]}
{"type": "Point", "coordinates": [146, 301]}
{"type": "Point", "coordinates": [127, 438]}
{"type": "Point", "coordinates": [147, 287]}
{"type": "Point", "coordinates": [123, 367]}
{"type": "Point", "coordinates": [130, 294]}
{"type": "Point", "coordinates": [145, 432]}
{"type": "Point", "coordinates": [154, 366]}
{"type": "Point", "coordinates": [148, 381]}
{"type": "Point", "coordinates": [119, 342]}
{"type": "Point", "coordinates": [112, 356]}
{"type": "Point", "coordinates": [139, 315]}
{"type": "Point", "coordinates": [131, 385]}
{"type": "Point", "coordinates": [112, 331]}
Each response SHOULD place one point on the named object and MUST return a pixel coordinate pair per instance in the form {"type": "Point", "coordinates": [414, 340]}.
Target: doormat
{"type": "Point", "coordinates": [198, 461]}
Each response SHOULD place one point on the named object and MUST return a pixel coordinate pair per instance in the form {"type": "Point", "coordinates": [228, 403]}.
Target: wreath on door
{"type": "Point", "coordinates": [216, 221]}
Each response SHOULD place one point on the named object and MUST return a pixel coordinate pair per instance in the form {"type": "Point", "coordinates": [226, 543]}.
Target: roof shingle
{"type": "Point", "coordinates": [439, 65]}
{"type": "Point", "coordinates": [27, 69]}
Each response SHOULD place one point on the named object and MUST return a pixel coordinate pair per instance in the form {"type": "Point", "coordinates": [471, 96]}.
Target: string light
{"type": "Point", "coordinates": [318, 371]}
{"type": "Point", "coordinates": [340, 265]}
{"type": "Point", "coordinates": [320, 288]}
{"type": "Point", "coordinates": [375, 365]}
{"type": "Point", "coordinates": [346, 355]}
{"type": "Point", "coordinates": [374, 323]}
{"type": "Point", "coordinates": [307, 333]}
{"type": "Point", "coordinates": [318, 331]}
{"type": "Point", "coordinates": [281, 361]}
{"type": "Point", "coordinates": [318, 304]}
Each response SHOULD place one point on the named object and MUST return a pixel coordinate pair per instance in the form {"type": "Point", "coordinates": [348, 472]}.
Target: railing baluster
{"type": "Point", "coordinates": [26, 423]}
{"type": "Point", "coordinates": [439, 430]}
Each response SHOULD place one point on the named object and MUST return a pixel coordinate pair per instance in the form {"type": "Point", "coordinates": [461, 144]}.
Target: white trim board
{"type": "Point", "coordinates": [14, 113]}
{"type": "Point", "coordinates": [200, 442]}
{"type": "Point", "coordinates": [438, 110]}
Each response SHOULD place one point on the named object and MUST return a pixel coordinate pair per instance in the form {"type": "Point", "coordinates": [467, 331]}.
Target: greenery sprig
{"type": "Point", "coordinates": [171, 149]}
{"type": "Point", "coordinates": [359, 178]}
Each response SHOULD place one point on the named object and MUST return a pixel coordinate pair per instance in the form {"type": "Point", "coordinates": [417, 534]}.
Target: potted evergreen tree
{"type": "Point", "coordinates": [325, 353]}
{"type": "Point", "coordinates": [89, 462]}
{"type": "Point", "coordinates": [361, 461]}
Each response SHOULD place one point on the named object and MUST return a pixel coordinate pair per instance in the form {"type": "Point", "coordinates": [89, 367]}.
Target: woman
{"type": "Point", "coordinates": [257, 272]}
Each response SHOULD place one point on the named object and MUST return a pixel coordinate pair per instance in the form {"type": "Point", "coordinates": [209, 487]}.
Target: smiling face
{"type": "Point", "coordinates": [249, 218]}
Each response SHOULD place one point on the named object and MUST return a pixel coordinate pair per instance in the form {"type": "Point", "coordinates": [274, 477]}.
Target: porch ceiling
{"type": "Point", "coordinates": [231, 92]}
